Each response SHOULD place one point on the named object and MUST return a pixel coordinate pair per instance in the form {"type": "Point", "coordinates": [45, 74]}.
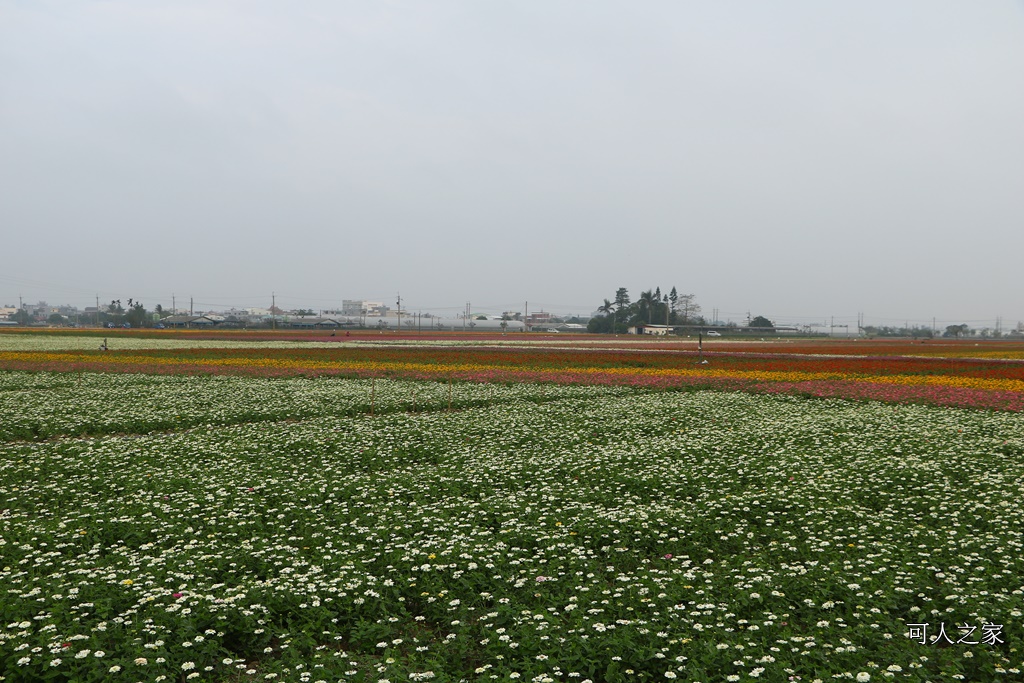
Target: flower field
{"type": "Point", "coordinates": [367, 514]}
{"type": "Point", "coordinates": [993, 378]}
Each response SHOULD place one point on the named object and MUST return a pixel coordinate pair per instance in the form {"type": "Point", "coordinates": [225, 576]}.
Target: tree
{"type": "Point", "coordinates": [690, 308]}
{"type": "Point", "coordinates": [601, 324]}
{"type": "Point", "coordinates": [621, 307]}
{"type": "Point", "coordinates": [115, 312]}
{"type": "Point", "coordinates": [673, 298]}
{"type": "Point", "coordinates": [761, 321]}
{"type": "Point", "coordinates": [621, 298]}
{"type": "Point", "coordinates": [606, 321]}
{"type": "Point", "coordinates": [56, 319]}
{"type": "Point", "coordinates": [136, 315]}
{"type": "Point", "coordinates": [646, 301]}
{"type": "Point", "coordinates": [955, 331]}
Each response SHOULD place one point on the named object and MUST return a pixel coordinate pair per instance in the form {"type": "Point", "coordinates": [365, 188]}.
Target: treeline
{"type": "Point", "coordinates": [651, 308]}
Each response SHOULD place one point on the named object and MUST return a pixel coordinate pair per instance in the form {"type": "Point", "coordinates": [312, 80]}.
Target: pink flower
{"type": "Point", "coordinates": [668, 556]}
{"type": "Point", "coordinates": [542, 578]}
{"type": "Point", "coordinates": [177, 595]}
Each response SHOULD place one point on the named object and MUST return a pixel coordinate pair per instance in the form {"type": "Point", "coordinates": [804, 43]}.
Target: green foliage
{"type": "Point", "coordinates": [651, 308]}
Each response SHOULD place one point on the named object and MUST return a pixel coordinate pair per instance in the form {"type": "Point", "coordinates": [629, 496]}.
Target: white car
{"type": "Point", "coordinates": [712, 333]}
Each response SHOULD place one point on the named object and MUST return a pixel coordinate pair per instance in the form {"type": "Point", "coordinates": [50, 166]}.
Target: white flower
{"type": "Point", "coordinates": [863, 677]}
{"type": "Point", "coordinates": [24, 660]}
{"type": "Point", "coordinates": [114, 669]}
{"type": "Point", "coordinates": [188, 666]}
{"type": "Point", "coordinates": [670, 674]}
{"type": "Point", "coordinates": [141, 661]}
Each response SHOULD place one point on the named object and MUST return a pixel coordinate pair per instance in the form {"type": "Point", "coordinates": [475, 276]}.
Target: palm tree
{"type": "Point", "coordinates": [647, 302]}
{"type": "Point", "coordinates": [608, 308]}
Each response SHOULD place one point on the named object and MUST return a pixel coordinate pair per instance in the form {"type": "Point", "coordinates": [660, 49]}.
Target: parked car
{"type": "Point", "coordinates": [712, 333]}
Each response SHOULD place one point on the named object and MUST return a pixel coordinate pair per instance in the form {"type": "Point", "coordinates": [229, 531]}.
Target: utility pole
{"type": "Point", "coordinates": [399, 303]}
{"type": "Point", "coordinates": [174, 305]}
{"type": "Point", "coordinates": [97, 310]}
{"type": "Point", "coordinates": [526, 317]}
{"type": "Point", "coordinates": [273, 316]}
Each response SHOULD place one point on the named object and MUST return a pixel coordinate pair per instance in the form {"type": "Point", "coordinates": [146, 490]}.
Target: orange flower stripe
{"type": "Point", "coordinates": [78, 360]}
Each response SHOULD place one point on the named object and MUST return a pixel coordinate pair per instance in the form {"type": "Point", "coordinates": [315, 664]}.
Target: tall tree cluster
{"type": "Point", "coordinates": [117, 314]}
{"type": "Point", "coordinates": [651, 308]}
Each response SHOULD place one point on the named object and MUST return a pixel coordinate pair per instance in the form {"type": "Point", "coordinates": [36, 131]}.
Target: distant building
{"type": "Point", "coordinates": [307, 323]}
{"type": "Point", "coordinates": [358, 307]}
{"type": "Point", "coordinates": [192, 320]}
{"type": "Point", "coordinates": [539, 317]}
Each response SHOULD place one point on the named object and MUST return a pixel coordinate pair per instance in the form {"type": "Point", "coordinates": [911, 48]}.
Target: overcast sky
{"type": "Point", "coordinates": [797, 160]}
